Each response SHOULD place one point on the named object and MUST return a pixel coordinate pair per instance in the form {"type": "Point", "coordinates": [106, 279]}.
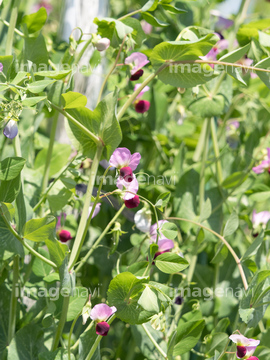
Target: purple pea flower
{"type": "Point", "coordinates": [264, 165]}
{"type": "Point", "coordinates": [141, 106]}
{"type": "Point", "coordinates": [131, 187]}
{"type": "Point", "coordinates": [164, 244]}
{"type": "Point", "coordinates": [245, 346]}
{"type": "Point", "coordinates": [44, 3]}
{"type": "Point", "coordinates": [122, 157]}
{"type": "Point", "coordinates": [260, 218]}
{"type": "Point", "coordinates": [100, 313]}
{"type": "Point", "coordinates": [102, 44]}
{"type": "Point", "coordinates": [96, 211]}
{"type": "Point", "coordinates": [136, 61]}
{"type": "Point", "coordinates": [1, 67]}
{"type": "Point", "coordinates": [222, 22]}
{"type": "Point", "coordinates": [11, 129]}
{"type": "Point", "coordinates": [221, 45]}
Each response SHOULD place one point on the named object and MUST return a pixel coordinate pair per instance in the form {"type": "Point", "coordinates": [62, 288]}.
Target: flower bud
{"type": "Point", "coordinates": [141, 106]}
{"type": "Point", "coordinates": [241, 351]}
{"type": "Point", "coordinates": [102, 44]}
{"type": "Point", "coordinates": [64, 235]}
{"type": "Point", "coordinates": [137, 75]}
{"type": "Point", "coordinates": [11, 129]}
{"type": "Point", "coordinates": [132, 203]}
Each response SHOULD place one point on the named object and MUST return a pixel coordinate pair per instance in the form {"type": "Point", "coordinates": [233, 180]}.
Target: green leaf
{"type": "Point", "coordinates": [253, 248]}
{"type": "Point", "coordinates": [149, 300]}
{"type": "Point", "coordinates": [35, 50]}
{"type": "Point", "coordinates": [59, 354]}
{"type": "Point", "coordinates": [77, 302]}
{"type": "Point", "coordinates": [173, 9]}
{"type": "Point", "coordinates": [235, 179]}
{"type": "Point", "coordinates": [54, 74]}
{"type": "Point", "coordinates": [170, 263]}
{"type": "Point", "coordinates": [221, 253]}
{"type": "Point", "coordinates": [31, 101]}
{"type": "Point", "coordinates": [40, 229]}
{"type": "Point", "coordinates": [260, 196]}
{"type": "Point", "coordinates": [59, 200]}
{"type": "Point", "coordinates": [235, 55]}
{"type": "Point", "coordinates": [206, 210]}
{"type": "Point", "coordinates": [137, 34]}
{"type": "Point", "coordinates": [112, 29]}
{"type": "Point", "coordinates": [183, 75]}
{"type": "Point", "coordinates": [87, 340]}
{"type": "Point", "coordinates": [57, 251]}
{"type": "Point", "coordinates": [52, 277]}
{"type": "Point", "coordinates": [152, 20]}
{"type": "Point", "coordinates": [6, 61]}
{"type": "Point", "coordinates": [218, 342]}
{"type": "Point", "coordinates": [11, 167]}
{"type": "Point", "coordinates": [5, 299]}
{"type": "Point", "coordinates": [102, 122]}
{"type": "Point", "coordinates": [10, 189]}
{"type": "Point", "coordinates": [188, 334]}
{"type": "Point", "coordinates": [35, 22]}
{"type": "Point", "coordinates": [264, 64]}
{"type": "Point", "coordinates": [38, 86]}
{"type": "Point", "coordinates": [124, 292]}
{"type": "Point", "coordinates": [231, 225]}
{"type": "Point", "coordinates": [60, 156]}
{"type": "Point", "coordinates": [40, 268]}
{"type": "Point", "coordinates": [28, 343]}
{"type": "Point", "coordinates": [66, 281]}
{"type": "Point", "coordinates": [151, 5]}
{"type": "Point", "coordinates": [163, 200]}
{"type": "Point", "coordinates": [72, 100]}
{"type": "Point", "coordinates": [207, 107]}
{"type": "Point", "coordinates": [9, 245]}
{"type": "Point", "coordinates": [169, 230]}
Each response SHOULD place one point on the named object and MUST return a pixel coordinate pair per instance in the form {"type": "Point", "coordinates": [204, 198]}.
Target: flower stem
{"type": "Point", "coordinates": [216, 151]}
{"type": "Point", "coordinates": [225, 242]}
{"type": "Point", "coordinates": [154, 342]}
{"type": "Point", "coordinates": [13, 302]}
{"type": "Point", "coordinates": [85, 218]}
{"type": "Point", "coordinates": [61, 323]}
{"type": "Point", "coordinates": [49, 154]}
{"type": "Point", "coordinates": [86, 257]}
{"type": "Point", "coordinates": [130, 14]}
{"type": "Point", "coordinates": [111, 70]}
{"type": "Point", "coordinates": [70, 334]}
{"type": "Point", "coordinates": [99, 337]}
{"type": "Point", "coordinates": [203, 166]}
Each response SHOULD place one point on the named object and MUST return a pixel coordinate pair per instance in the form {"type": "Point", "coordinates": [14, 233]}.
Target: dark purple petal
{"type": "Point", "coordinates": [64, 235]}
{"type": "Point", "coordinates": [137, 75]}
{"type": "Point", "coordinates": [241, 351]}
{"type": "Point", "coordinates": [102, 328]}
{"type": "Point", "coordinates": [179, 300]}
{"type": "Point", "coordinates": [142, 106]}
{"type": "Point", "coordinates": [126, 174]}
{"type": "Point", "coordinates": [132, 203]}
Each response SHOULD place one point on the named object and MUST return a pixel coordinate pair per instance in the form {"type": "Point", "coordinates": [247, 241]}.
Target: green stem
{"type": "Point", "coordinates": [12, 24]}
{"type": "Point", "coordinates": [75, 346]}
{"type": "Point", "coordinates": [85, 218]}
{"type": "Point", "coordinates": [61, 323]}
{"type": "Point", "coordinates": [154, 342]}
{"type": "Point", "coordinates": [15, 30]}
{"type": "Point", "coordinates": [105, 231]}
{"type": "Point", "coordinates": [97, 341]}
{"type": "Point", "coordinates": [191, 269]}
{"type": "Point", "coordinates": [216, 151]}
{"type": "Point", "coordinates": [80, 55]}
{"type": "Point", "coordinates": [130, 14]}
{"type": "Point", "coordinates": [111, 70]}
{"type": "Point", "coordinates": [218, 83]}
{"type": "Point", "coordinates": [87, 132]}
{"type": "Point", "coordinates": [4, 15]}
{"type": "Point", "coordinates": [70, 334]}
{"type": "Point", "coordinates": [49, 154]}
{"type": "Point", "coordinates": [236, 258]}
{"type": "Point", "coordinates": [13, 302]}
{"type": "Point", "coordinates": [203, 167]}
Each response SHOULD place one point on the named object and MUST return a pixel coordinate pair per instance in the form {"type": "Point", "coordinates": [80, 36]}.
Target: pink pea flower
{"type": "Point", "coordinates": [102, 44]}
{"type": "Point", "coordinates": [122, 157]}
{"type": "Point", "coordinates": [141, 106]}
{"type": "Point", "coordinates": [136, 61]}
{"type": "Point", "coordinates": [11, 129]}
{"type": "Point", "coordinates": [245, 61]}
{"type": "Point", "coordinates": [260, 218]}
{"type": "Point", "coordinates": [96, 211]}
{"type": "Point", "coordinates": [44, 3]}
{"type": "Point", "coordinates": [147, 28]}
{"type": "Point", "coordinates": [245, 346]}
{"type": "Point", "coordinates": [1, 67]}
{"type": "Point", "coordinates": [100, 313]}
{"type": "Point", "coordinates": [264, 165]}
{"type": "Point", "coordinates": [131, 187]}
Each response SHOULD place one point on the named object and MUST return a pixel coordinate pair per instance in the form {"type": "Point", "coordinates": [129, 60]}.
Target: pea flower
{"type": "Point", "coordinates": [141, 106]}
{"type": "Point", "coordinates": [132, 203]}
{"type": "Point", "coordinates": [122, 158]}
{"type": "Point", "coordinates": [221, 45]}
{"type": "Point", "coordinates": [63, 235]}
{"type": "Point", "coordinates": [260, 218]}
{"type": "Point", "coordinates": [164, 244]}
{"type": "Point", "coordinates": [100, 313]}
{"type": "Point", "coordinates": [264, 165]}
{"type": "Point", "coordinates": [45, 4]}
{"type": "Point", "coordinates": [102, 44]}
{"type": "Point", "coordinates": [96, 211]}
{"type": "Point", "coordinates": [11, 129]}
{"type": "Point", "coordinates": [1, 67]}
{"type": "Point", "coordinates": [222, 22]}
{"type": "Point", "coordinates": [136, 61]}
{"type": "Point", "coordinates": [245, 346]}
{"type": "Point", "coordinates": [142, 220]}
{"type": "Point", "coordinates": [147, 28]}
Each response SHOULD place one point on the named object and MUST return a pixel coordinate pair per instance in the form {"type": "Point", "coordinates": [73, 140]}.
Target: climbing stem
{"type": "Point", "coordinates": [12, 24]}
{"type": "Point", "coordinates": [203, 166]}
{"type": "Point", "coordinates": [13, 302]}
{"type": "Point", "coordinates": [154, 342]}
{"type": "Point", "coordinates": [216, 151]}
{"type": "Point", "coordinates": [85, 218]}
{"type": "Point", "coordinates": [61, 323]}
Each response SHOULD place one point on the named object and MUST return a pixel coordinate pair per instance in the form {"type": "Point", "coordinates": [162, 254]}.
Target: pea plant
{"type": "Point", "coordinates": [145, 233]}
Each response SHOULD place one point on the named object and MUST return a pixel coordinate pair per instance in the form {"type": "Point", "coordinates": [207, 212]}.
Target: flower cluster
{"type": "Point", "coordinates": [245, 347]}
{"type": "Point", "coordinates": [126, 163]}
{"type": "Point", "coordinates": [100, 313]}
